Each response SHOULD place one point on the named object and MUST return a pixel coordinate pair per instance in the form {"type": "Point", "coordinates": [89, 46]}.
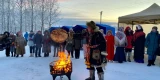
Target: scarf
{"type": "Point", "coordinates": [119, 35]}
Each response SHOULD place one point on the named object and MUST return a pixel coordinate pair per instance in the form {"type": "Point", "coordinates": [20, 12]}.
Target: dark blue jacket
{"type": "Point", "coordinates": [152, 42]}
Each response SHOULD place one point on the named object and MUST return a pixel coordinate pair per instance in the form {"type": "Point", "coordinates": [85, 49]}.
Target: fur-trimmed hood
{"type": "Point", "coordinates": [96, 29]}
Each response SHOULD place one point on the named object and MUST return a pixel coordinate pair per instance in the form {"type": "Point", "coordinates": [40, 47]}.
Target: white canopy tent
{"type": "Point", "coordinates": [150, 15]}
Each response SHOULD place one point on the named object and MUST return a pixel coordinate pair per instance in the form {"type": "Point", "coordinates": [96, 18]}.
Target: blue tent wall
{"type": "Point", "coordinates": [106, 28]}
{"type": "Point", "coordinates": [66, 28]}
{"type": "Point", "coordinates": [79, 28]}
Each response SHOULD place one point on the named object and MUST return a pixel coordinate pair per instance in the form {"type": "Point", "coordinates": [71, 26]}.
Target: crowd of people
{"type": "Point", "coordinates": [98, 48]}
{"type": "Point", "coordinates": [119, 47]}
{"type": "Point", "coordinates": [41, 43]}
{"type": "Point", "coordinates": [126, 41]}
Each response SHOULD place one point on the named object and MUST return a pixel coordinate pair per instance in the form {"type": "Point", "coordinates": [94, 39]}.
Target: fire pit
{"type": "Point", "coordinates": [62, 66]}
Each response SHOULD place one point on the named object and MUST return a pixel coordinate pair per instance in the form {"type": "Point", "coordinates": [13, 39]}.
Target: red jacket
{"type": "Point", "coordinates": [129, 36]}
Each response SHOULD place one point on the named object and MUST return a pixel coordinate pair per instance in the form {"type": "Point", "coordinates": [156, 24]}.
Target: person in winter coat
{"type": "Point", "coordinates": [152, 45]}
{"type": "Point", "coordinates": [85, 36]}
{"type": "Point", "coordinates": [120, 43]}
{"type": "Point", "coordinates": [128, 48]}
{"type": "Point", "coordinates": [7, 43]}
{"type": "Point", "coordinates": [46, 43]}
{"type": "Point", "coordinates": [31, 43]}
{"type": "Point", "coordinates": [26, 36]}
{"type": "Point", "coordinates": [12, 46]}
{"type": "Point", "coordinates": [97, 45]}
{"type": "Point", "coordinates": [69, 45]}
{"type": "Point", "coordinates": [20, 44]}
{"type": "Point", "coordinates": [38, 43]}
{"type": "Point", "coordinates": [110, 45]}
{"type": "Point", "coordinates": [139, 44]}
{"type": "Point", "coordinates": [77, 45]}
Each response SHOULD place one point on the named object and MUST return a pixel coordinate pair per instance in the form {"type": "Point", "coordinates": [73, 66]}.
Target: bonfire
{"type": "Point", "coordinates": [62, 64]}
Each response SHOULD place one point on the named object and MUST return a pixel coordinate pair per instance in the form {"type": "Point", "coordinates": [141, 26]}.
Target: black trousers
{"type": "Point", "coordinates": [46, 54]}
{"type": "Point", "coordinates": [71, 53]}
{"type": "Point", "coordinates": [99, 69]}
{"type": "Point", "coordinates": [77, 53]}
{"type": "Point", "coordinates": [7, 51]}
{"type": "Point", "coordinates": [32, 49]}
{"type": "Point", "coordinates": [13, 52]}
{"type": "Point", "coordinates": [56, 48]}
{"type": "Point", "coordinates": [38, 52]}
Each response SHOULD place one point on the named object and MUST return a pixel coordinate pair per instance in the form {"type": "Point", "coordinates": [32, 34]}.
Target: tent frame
{"type": "Point", "coordinates": [133, 19]}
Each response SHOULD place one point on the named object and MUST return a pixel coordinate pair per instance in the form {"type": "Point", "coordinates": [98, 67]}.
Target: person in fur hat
{"type": "Point", "coordinates": [139, 44]}
{"type": "Point", "coordinates": [12, 46]}
{"type": "Point", "coordinates": [152, 45]}
{"type": "Point", "coordinates": [128, 48]}
{"type": "Point", "coordinates": [7, 42]}
{"type": "Point", "coordinates": [120, 43]}
{"type": "Point", "coordinates": [31, 43]}
{"type": "Point", "coordinates": [38, 43]}
{"type": "Point", "coordinates": [110, 45]}
{"type": "Point", "coordinates": [69, 45]}
{"type": "Point", "coordinates": [46, 43]}
{"type": "Point", "coordinates": [97, 51]}
{"type": "Point", "coordinates": [20, 44]}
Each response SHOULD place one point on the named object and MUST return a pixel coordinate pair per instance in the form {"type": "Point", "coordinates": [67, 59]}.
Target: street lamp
{"type": "Point", "coordinates": [101, 17]}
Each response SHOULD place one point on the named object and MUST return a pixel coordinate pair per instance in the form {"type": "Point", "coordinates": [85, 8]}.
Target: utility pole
{"type": "Point", "coordinates": [42, 27]}
{"type": "Point", "coordinates": [21, 13]}
{"type": "Point", "coordinates": [101, 17]}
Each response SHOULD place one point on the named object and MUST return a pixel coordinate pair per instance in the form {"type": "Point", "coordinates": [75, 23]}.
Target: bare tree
{"type": "Point", "coordinates": [27, 15]}
{"type": "Point", "coordinates": [53, 12]}
{"type": "Point", "coordinates": [2, 15]}
{"type": "Point", "coordinates": [8, 16]}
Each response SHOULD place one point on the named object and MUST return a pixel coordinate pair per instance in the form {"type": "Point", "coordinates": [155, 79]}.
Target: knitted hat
{"type": "Point", "coordinates": [154, 27]}
{"type": "Point", "coordinates": [139, 27]}
{"type": "Point", "coordinates": [91, 24]}
{"type": "Point", "coordinates": [121, 29]}
{"type": "Point", "coordinates": [109, 31]}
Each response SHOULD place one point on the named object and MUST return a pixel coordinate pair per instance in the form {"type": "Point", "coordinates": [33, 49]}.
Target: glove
{"type": "Point", "coordinates": [104, 53]}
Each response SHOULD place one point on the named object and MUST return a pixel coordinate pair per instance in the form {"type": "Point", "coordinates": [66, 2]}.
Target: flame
{"type": "Point", "coordinates": [63, 63]}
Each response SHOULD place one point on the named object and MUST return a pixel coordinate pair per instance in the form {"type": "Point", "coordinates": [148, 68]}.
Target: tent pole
{"type": "Point", "coordinates": [154, 21]}
{"type": "Point", "coordinates": [132, 25]}
{"type": "Point", "coordinates": [118, 24]}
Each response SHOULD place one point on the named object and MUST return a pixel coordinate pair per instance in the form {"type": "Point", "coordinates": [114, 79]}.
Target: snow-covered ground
{"type": "Point", "coordinates": [27, 68]}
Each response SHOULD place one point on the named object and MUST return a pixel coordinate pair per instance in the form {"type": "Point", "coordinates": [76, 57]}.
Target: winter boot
{"type": "Point", "coordinates": [17, 55]}
{"type": "Point", "coordinates": [129, 60]}
{"type": "Point", "coordinates": [39, 55]}
{"type": "Point", "coordinates": [22, 55]}
{"type": "Point", "coordinates": [35, 54]}
{"type": "Point", "coordinates": [101, 76]}
{"type": "Point", "coordinates": [129, 55]}
{"type": "Point", "coordinates": [12, 54]}
{"type": "Point", "coordinates": [149, 63]}
{"type": "Point", "coordinates": [152, 62]}
{"type": "Point", "coordinates": [45, 55]}
{"type": "Point", "coordinates": [92, 75]}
